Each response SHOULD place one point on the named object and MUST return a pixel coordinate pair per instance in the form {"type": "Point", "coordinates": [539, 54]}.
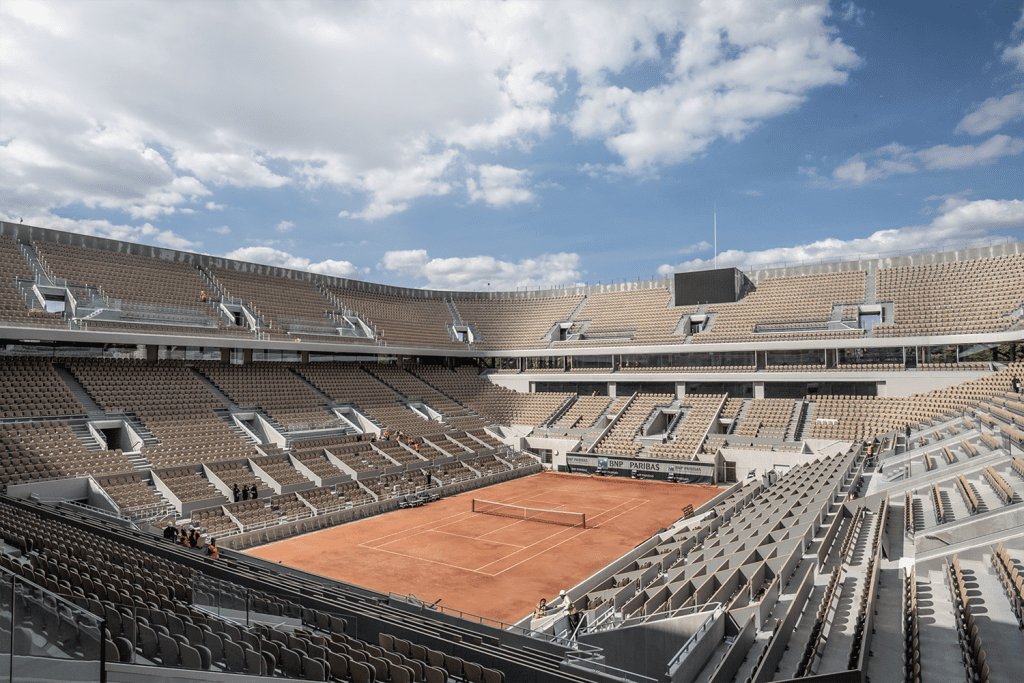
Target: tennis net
{"type": "Point", "coordinates": [563, 517]}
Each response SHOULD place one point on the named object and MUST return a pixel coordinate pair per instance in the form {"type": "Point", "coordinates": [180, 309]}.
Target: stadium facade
{"type": "Point", "coordinates": [862, 419]}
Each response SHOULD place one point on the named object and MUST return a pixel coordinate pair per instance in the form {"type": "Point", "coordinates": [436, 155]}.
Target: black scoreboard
{"type": "Point", "coordinates": [718, 286]}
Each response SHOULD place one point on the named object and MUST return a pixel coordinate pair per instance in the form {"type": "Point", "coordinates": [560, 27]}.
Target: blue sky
{"type": "Point", "coordinates": [499, 145]}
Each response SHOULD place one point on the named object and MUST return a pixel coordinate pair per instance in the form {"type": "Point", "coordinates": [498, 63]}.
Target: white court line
{"type": "Point", "coordinates": [583, 531]}
{"type": "Point", "coordinates": [423, 559]}
{"type": "Point", "coordinates": [546, 538]}
{"type": "Point", "coordinates": [418, 526]}
{"type": "Point", "coordinates": [476, 538]}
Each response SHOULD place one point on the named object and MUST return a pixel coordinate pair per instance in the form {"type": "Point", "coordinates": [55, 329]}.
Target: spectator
{"type": "Point", "coordinates": [193, 537]}
{"type": "Point", "coordinates": [253, 493]}
{"type": "Point", "coordinates": [1016, 385]}
{"type": "Point", "coordinates": [542, 609]}
{"type": "Point", "coordinates": [428, 471]}
{"type": "Point", "coordinates": [238, 494]}
{"type": "Point", "coordinates": [575, 617]}
{"type": "Point", "coordinates": [183, 536]}
{"type": "Point", "coordinates": [212, 549]}
{"type": "Point", "coordinates": [170, 533]}
{"type": "Point", "coordinates": [245, 493]}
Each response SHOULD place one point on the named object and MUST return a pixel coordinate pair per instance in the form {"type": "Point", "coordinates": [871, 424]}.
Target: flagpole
{"type": "Point", "coordinates": [716, 236]}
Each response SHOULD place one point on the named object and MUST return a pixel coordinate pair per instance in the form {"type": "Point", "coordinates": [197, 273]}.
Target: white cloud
{"type": "Point", "coordinates": [229, 168]}
{"type": "Point", "coordinates": [694, 248]}
{"type": "Point", "coordinates": [279, 94]}
{"type": "Point", "coordinates": [964, 156]}
{"type": "Point", "coordinates": [285, 226]}
{"type": "Point", "coordinates": [213, 206]}
{"type": "Point", "coordinates": [850, 12]}
{"type": "Point", "coordinates": [499, 186]}
{"type": "Point", "coordinates": [958, 221]}
{"type": "Point", "coordinates": [482, 272]}
{"type": "Point", "coordinates": [753, 193]}
{"type": "Point", "coordinates": [282, 259]}
{"type": "Point", "coordinates": [390, 192]}
{"type": "Point", "coordinates": [1014, 54]}
{"type": "Point", "coordinates": [993, 113]}
{"type": "Point", "coordinates": [738, 64]}
{"type": "Point", "coordinates": [222, 230]}
{"type": "Point", "coordinates": [895, 158]}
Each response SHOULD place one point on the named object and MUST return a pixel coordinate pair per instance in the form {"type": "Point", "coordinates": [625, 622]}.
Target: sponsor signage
{"type": "Point", "coordinates": [641, 466]}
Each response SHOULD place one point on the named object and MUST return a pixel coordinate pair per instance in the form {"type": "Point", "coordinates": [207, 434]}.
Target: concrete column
{"type": "Point", "coordinates": [611, 389]}
{"type": "Point", "coordinates": [758, 389]}
{"type": "Point", "coordinates": [680, 389]}
{"type": "Point", "coordinates": [225, 356]}
{"type": "Point", "coordinates": [246, 356]}
{"type": "Point", "coordinates": [152, 353]}
{"type": "Point", "coordinates": [881, 389]}
{"type": "Point", "coordinates": [304, 357]}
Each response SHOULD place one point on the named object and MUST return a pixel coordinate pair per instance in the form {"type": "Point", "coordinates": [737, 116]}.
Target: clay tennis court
{"type": "Point", "coordinates": [493, 566]}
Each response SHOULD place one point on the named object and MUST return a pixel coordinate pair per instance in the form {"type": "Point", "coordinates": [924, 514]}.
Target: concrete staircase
{"type": "Point", "coordinates": [794, 424]}
{"type": "Point", "coordinates": [93, 410]}
{"type": "Point", "coordinates": [871, 288]}
{"type": "Point", "coordinates": [803, 429]}
{"type": "Point", "coordinates": [81, 430]}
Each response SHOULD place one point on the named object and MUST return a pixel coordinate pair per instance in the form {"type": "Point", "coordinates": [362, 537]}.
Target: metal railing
{"type": "Point", "coordinates": [692, 642]}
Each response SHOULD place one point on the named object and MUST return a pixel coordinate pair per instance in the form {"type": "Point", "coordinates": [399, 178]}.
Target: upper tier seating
{"type": "Point", "coordinates": [961, 297]}
{"type": "Point", "coordinates": [281, 302]}
{"type": "Point", "coordinates": [639, 316]}
{"type": "Point", "coordinates": [13, 310]}
{"type": "Point", "coordinates": [801, 299]}
{"type": "Point", "coordinates": [400, 320]}
{"type": "Point", "coordinates": [515, 323]}
{"type": "Point", "coordinates": [131, 278]}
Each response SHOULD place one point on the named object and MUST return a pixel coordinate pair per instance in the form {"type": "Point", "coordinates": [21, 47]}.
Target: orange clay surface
{"type": "Point", "coordinates": [493, 566]}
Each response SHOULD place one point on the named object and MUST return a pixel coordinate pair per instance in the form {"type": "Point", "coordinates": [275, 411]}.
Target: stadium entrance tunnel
{"type": "Point", "coordinates": [115, 434]}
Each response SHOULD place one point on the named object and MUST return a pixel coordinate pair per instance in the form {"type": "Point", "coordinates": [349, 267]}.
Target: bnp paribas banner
{"type": "Point", "coordinates": [641, 466]}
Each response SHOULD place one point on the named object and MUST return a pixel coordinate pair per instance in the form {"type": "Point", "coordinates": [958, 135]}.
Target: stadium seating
{"type": "Point", "coordinates": [830, 501]}
{"type": "Point", "coordinates": [13, 308]}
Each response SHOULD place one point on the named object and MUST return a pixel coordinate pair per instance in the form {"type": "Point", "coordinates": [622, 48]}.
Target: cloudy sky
{"type": "Point", "coordinates": [495, 145]}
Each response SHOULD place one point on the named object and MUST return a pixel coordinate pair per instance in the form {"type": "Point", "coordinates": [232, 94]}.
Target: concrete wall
{"type": "Point", "coordinates": [762, 461]}
{"type": "Point", "coordinates": [646, 649]}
